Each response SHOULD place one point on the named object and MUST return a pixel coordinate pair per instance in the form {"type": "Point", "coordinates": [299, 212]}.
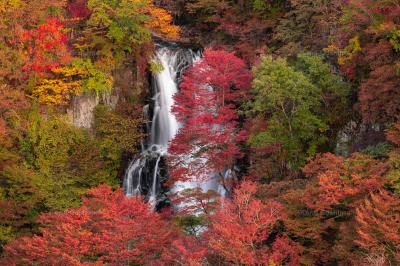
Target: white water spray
{"type": "Point", "coordinates": [164, 125]}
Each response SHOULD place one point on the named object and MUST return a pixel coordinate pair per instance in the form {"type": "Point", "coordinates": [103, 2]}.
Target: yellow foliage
{"type": "Point", "coordinates": [332, 48]}
{"type": "Point", "coordinates": [347, 53]}
{"type": "Point", "coordinates": [80, 76]}
{"type": "Point", "coordinates": [5, 4]}
{"type": "Point", "coordinates": [59, 91]}
{"type": "Point", "coordinates": [162, 22]}
{"type": "Point", "coordinates": [272, 263]}
{"type": "Point", "coordinates": [56, 91]}
{"type": "Point", "coordinates": [69, 71]}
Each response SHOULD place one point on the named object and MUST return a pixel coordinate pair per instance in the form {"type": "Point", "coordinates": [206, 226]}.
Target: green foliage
{"type": "Point", "coordinates": [64, 167]}
{"type": "Point", "coordinates": [191, 224]}
{"type": "Point", "coordinates": [93, 79]}
{"type": "Point", "coordinates": [156, 67]}
{"type": "Point", "coordinates": [6, 234]}
{"type": "Point", "coordinates": [306, 25]}
{"type": "Point", "coordinates": [394, 39]}
{"type": "Point", "coordinates": [55, 11]}
{"type": "Point", "coordinates": [335, 108]}
{"type": "Point", "coordinates": [289, 100]}
{"type": "Point", "coordinates": [20, 201]}
{"type": "Point", "coordinates": [320, 74]}
{"type": "Point", "coordinates": [259, 5]}
{"type": "Point", "coordinates": [393, 176]}
{"type": "Point", "coordinates": [117, 26]}
{"type": "Point", "coordinates": [116, 134]}
{"type": "Point", "coordinates": [378, 151]}
{"type": "Point", "coordinates": [267, 7]}
{"type": "Point", "coordinates": [48, 168]}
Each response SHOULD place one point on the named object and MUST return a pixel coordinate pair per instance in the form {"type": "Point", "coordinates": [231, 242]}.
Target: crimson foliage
{"type": "Point", "coordinates": [240, 230]}
{"type": "Point", "coordinates": [108, 228]}
{"type": "Point", "coordinates": [210, 92]}
{"type": "Point", "coordinates": [45, 46]}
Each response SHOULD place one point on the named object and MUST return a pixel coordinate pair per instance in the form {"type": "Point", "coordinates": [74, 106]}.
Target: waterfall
{"type": "Point", "coordinates": [144, 174]}
{"type": "Point", "coordinates": [135, 169]}
{"type": "Point", "coordinates": [147, 172]}
{"type": "Point", "coordinates": [164, 126]}
{"type": "Point", "coordinates": [153, 192]}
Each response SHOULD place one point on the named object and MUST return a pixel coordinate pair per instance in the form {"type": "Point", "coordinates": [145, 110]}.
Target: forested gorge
{"type": "Point", "coordinates": [290, 106]}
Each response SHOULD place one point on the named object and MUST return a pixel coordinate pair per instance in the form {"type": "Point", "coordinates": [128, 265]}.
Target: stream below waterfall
{"type": "Point", "coordinates": [147, 172]}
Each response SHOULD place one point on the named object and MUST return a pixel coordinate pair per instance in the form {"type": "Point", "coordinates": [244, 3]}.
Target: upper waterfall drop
{"type": "Point", "coordinates": [145, 173]}
{"type": "Point", "coordinates": [164, 124]}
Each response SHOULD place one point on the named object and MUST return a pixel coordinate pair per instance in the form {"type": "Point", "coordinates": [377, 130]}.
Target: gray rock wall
{"type": "Point", "coordinates": [81, 109]}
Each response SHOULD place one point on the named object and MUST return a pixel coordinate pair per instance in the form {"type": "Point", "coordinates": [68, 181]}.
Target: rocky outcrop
{"type": "Point", "coordinates": [356, 136]}
{"type": "Point", "coordinates": [81, 110]}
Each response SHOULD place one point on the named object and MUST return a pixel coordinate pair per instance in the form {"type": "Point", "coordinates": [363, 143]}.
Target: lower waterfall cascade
{"type": "Point", "coordinates": [145, 174]}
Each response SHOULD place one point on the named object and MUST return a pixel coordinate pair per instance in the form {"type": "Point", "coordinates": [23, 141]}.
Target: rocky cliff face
{"type": "Point", "coordinates": [356, 136]}
{"type": "Point", "coordinates": [126, 85]}
{"type": "Point", "coordinates": [81, 110]}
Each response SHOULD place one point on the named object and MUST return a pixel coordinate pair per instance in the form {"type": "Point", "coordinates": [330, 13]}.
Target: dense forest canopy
{"type": "Point", "coordinates": [293, 107]}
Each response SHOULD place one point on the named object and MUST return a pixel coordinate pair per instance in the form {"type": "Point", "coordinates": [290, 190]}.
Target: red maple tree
{"type": "Point", "coordinates": [108, 228]}
{"type": "Point", "coordinates": [45, 47]}
{"type": "Point", "coordinates": [210, 90]}
{"type": "Point", "coordinates": [186, 251]}
{"type": "Point", "coordinates": [241, 231]}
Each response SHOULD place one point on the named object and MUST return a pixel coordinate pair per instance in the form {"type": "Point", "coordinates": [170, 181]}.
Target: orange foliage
{"type": "Point", "coordinates": [322, 163]}
{"type": "Point", "coordinates": [160, 19]}
{"type": "Point", "coordinates": [378, 222]}
{"type": "Point", "coordinates": [393, 134]}
{"type": "Point", "coordinates": [240, 230]}
{"type": "Point", "coordinates": [161, 22]}
{"type": "Point", "coordinates": [340, 180]}
{"type": "Point", "coordinates": [10, 101]}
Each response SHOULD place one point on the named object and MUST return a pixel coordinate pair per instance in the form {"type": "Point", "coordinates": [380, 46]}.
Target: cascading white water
{"type": "Point", "coordinates": [143, 175]}
{"type": "Point", "coordinates": [135, 169]}
{"type": "Point", "coordinates": [163, 124]}
{"type": "Point", "coordinates": [153, 195]}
